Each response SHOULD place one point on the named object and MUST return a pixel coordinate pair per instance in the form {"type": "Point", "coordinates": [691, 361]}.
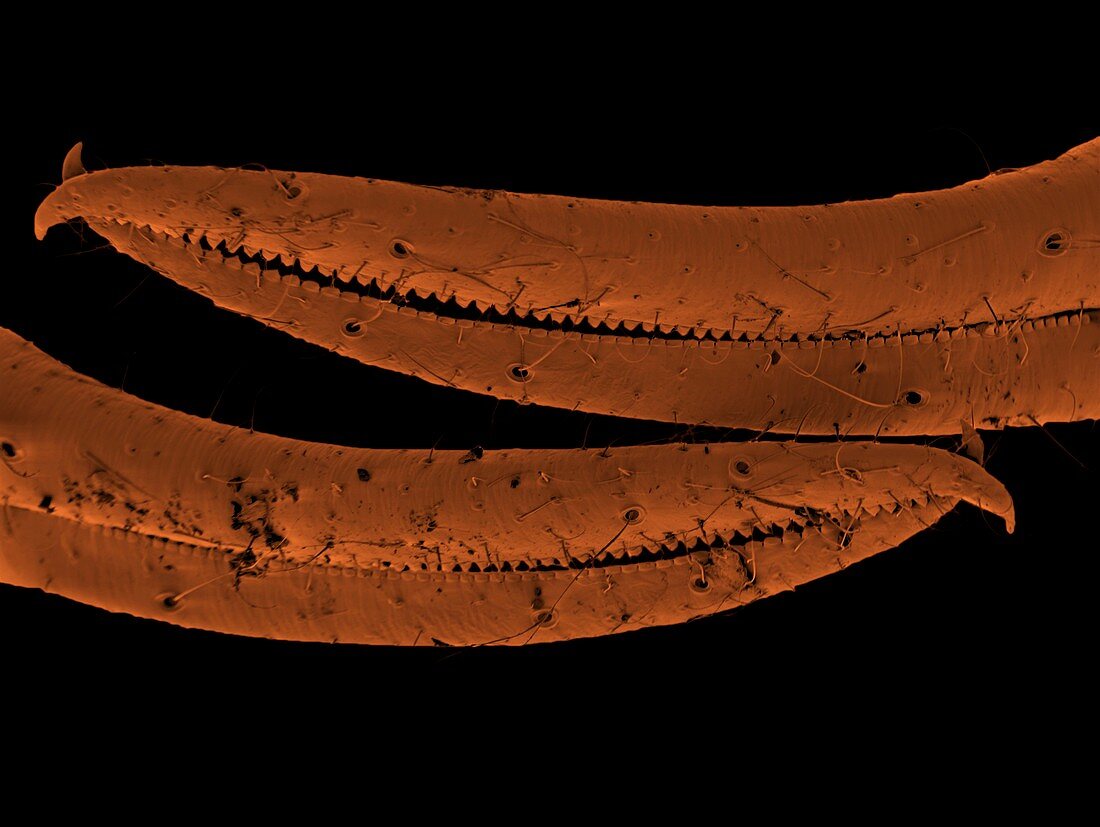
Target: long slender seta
{"type": "Point", "coordinates": [933, 313]}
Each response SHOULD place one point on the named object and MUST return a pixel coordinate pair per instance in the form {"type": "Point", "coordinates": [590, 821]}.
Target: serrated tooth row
{"type": "Point", "coordinates": [574, 323]}
{"type": "Point", "coordinates": [768, 534]}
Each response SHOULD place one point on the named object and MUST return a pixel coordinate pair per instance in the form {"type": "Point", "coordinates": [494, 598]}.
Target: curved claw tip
{"type": "Point", "coordinates": [46, 216]}
{"type": "Point", "coordinates": [986, 492]}
{"type": "Point", "coordinates": [73, 166]}
{"type": "Point", "coordinates": [1001, 504]}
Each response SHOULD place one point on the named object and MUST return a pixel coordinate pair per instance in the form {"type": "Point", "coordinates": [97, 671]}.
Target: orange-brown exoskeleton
{"type": "Point", "coordinates": [921, 314]}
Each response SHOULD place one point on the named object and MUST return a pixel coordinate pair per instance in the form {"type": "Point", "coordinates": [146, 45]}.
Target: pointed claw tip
{"type": "Point", "coordinates": [42, 220]}
{"type": "Point", "coordinates": [46, 215]}
{"type": "Point", "coordinates": [1002, 505]}
{"type": "Point", "coordinates": [41, 225]}
{"type": "Point", "coordinates": [73, 166]}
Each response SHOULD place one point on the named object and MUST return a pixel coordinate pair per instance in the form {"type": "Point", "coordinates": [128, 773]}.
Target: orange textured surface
{"type": "Point", "coordinates": [137, 508]}
{"type": "Point", "coordinates": [903, 316]}
{"type": "Point", "coordinates": [934, 313]}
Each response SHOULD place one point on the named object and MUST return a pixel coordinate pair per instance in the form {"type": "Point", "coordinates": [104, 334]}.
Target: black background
{"type": "Point", "coordinates": [962, 610]}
